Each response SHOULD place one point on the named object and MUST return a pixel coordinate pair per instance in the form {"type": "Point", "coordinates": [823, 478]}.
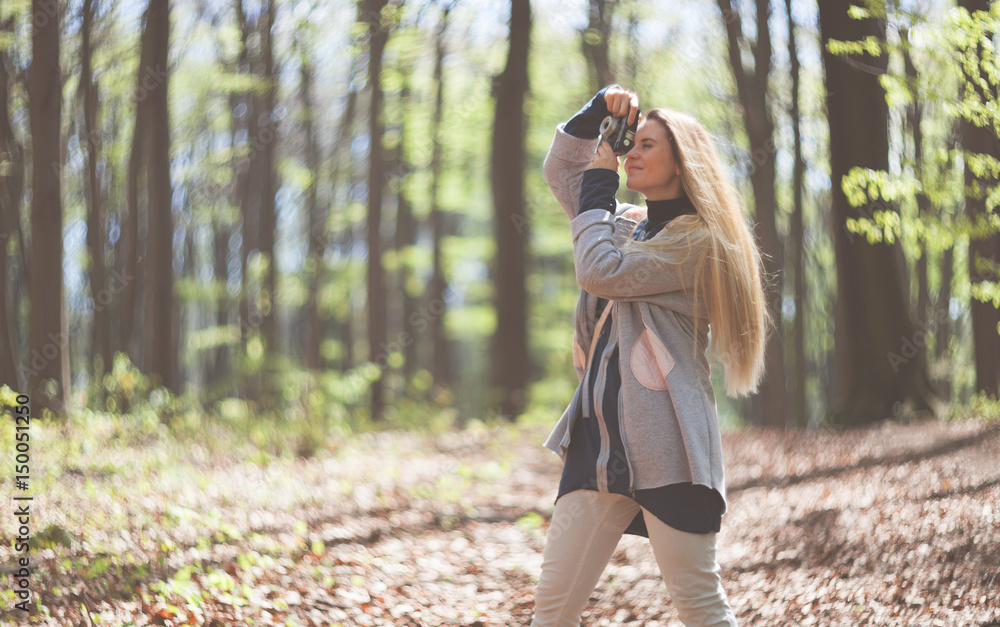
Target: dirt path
{"type": "Point", "coordinates": [898, 526]}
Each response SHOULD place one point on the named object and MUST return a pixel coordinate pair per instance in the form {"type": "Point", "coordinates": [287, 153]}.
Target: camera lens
{"type": "Point", "coordinates": [608, 126]}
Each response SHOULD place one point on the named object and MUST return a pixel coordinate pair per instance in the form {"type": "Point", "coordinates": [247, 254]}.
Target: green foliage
{"type": "Point", "coordinates": [979, 407]}
{"type": "Point", "coordinates": [960, 57]}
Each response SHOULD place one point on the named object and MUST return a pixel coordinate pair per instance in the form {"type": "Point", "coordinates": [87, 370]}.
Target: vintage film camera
{"type": "Point", "coordinates": [620, 134]}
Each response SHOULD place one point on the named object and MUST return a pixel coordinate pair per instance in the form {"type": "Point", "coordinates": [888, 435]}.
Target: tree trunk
{"type": "Point", "coordinates": [878, 366]}
{"type": "Point", "coordinates": [248, 194]}
{"type": "Point", "coordinates": [943, 335]}
{"type": "Point", "coordinates": [406, 237]}
{"type": "Point", "coordinates": [377, 37]}
{"type": "Point", "coordinates": [595, 40]}
{"type": "Point", "coordinates": [49, 335]}
{"type": "Point", "coordinates": [511, 359]}
{"type": "Point", "coordinates": [769, 405]}
{"type": "Point", "coordinates": [984, 252]}
{"type": "Point", "coordinates": [437, 304]}
{"type": "Point", "coordinates": [345, 134]}
{"type": "Point", "coordinates": [161, 338]}
{"type": "Point", "coordinates": [268, 181]}
{"type": "Point", "coordinates": [220, 245]}
{"type": "Point", "coordinates": [132, 273]}
{"type": "Point", "coordinates": [11, 190]}
{"type": "Point", "coordinates": [798, 409]}
{"type": "Point", "coordinates": [316, 229]}
{"type": "Point", "coordinates": [100, 291]}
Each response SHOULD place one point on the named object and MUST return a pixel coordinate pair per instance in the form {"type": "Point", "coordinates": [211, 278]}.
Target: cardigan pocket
{"type": "Point", "coordinates": [650, 361]}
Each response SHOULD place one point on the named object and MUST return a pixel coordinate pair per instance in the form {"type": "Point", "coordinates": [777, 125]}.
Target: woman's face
{"type": "Point", "coordinates": [650, 166]}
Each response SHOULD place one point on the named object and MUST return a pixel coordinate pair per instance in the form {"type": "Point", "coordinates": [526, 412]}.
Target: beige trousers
{"type": "Point", "coordinates": [582, 537]}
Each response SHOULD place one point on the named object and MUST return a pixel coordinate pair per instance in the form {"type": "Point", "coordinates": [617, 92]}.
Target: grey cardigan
{"type": "Point", "coordinates": [667, 408]}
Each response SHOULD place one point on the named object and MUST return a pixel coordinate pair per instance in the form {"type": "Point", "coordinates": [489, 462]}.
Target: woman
{"type": "Point", "coordinates": [640, 440]}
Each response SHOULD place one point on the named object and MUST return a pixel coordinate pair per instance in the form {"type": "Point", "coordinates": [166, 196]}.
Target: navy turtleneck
{"type": "Point", "coordinates": [659, 212]}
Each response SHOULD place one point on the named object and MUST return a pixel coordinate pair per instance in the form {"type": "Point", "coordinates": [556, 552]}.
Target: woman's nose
{"type": "Point", "coordinates": [631, 154]}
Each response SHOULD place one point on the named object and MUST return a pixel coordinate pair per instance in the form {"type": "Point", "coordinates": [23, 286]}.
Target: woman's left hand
{"type": "Point", "coordinates": [605, 158]}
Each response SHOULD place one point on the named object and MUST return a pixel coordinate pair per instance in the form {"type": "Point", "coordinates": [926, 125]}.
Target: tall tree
{"type": "Point", "coordinates": [378, 35]}
{"type": "Point", "coordinates": [264, 109]}
{"type": "Point", "coordinates": [130, 336]}
{"type": "Point", "coordinates": [343, 328]}
{"type": "Point", "coordinates": [406, 231]}
{"type": "Point", "coordinates": [769, 405]}
{"type": "Point", "coordinates": [160, 346]}
{"type": "Point", "coordinates": [798, 410]}
{"type": "Point", "coordinates": [510, 341]}
{"type": "Point", "coordinates": [99, 290]}
{"type": "Point", "coordinates": [876, 363]}
{"type": "Point", "coordinates": [246, 180]}
{"type": "Point", "coordinates": [49, 334]}
{"type": "Point", "coordinates": [11, 189]}
{"type": "Point", "coordinates": [316, 213]}
{"type": "Point", "coordinates": [978, 138]}
{"type": "Point", "coordinates": [596, 39]}
{"type": "Point", "coordinates": [440, 366]}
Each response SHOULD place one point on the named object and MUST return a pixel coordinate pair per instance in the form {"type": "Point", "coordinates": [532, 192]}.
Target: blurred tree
{"type": "Point", "coordinates": [264, 103]}
{"type": "Point", "coordinates": [48, 359]}
{"type": "Point", "coordinates": [11, 188]}
{"type": "Point", "coordinates": [316, 214]}
{"type": "Point", "coordinates": [96, 236]}
{"type": "Point", "coordinates": [981, 142]}
{"type": "Point", "coordinates": [511, 359]}
{"type": "Point", "coordinates": [440, 362]}
{"type": "Point", "coordinates": [406, 227]}
{"type": "Point", "coordinates": [160, 346]}
{"type": "Point", "coordinates": [595, 39]}
{"type": "Point", "coordinates": [769, 404]}
{"type": "Point", "coordinates": [872, 315]}
{"type": "Point", "coordinates": [343, 178]}
{"type": "Point", "coordinates": [798, 412]}
{"type": "Point", "coordinates": [371, 13]}
{"type": "Point", "coordinates": [128, 258]}
{"type": "Point", "coordinates": [245, 178]}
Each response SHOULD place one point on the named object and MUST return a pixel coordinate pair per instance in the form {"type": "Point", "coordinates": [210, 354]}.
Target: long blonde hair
{"type": "Point", "coordinates": [729, 261]}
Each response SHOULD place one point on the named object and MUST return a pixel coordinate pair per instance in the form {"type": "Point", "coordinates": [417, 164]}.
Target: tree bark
{"type": "Point", "coordinates": [11, 190]}
{"type": "Point", "coordinates": [406, 237]}
{"type": "Point", "coordinates": [984, 252]}
{"type": "Point", "coordinates": [268, 181]}
{"type": "Point", "coordinates": [879, 369]}
{"type": "Point", "coordinates": [769, 405]}
{"type": "Point", "coordinates": [440, 362]}
{"type": "Point", "coordinates": [377, 37]}
{"type": "Point", "coordinates": [161, 332]}
{"type": "Point", "coordinates": [798, 409]}
{"type": "Point", "coordinates": [100, 291]}
{"type": "Point", "coordinates": [49, 334]}
{"type": "Point", "coordinates": [248, 195]}
{"type": "Point", "coordinates": [129, 305]}
{"type": "Point", "coordinates": [511, 359]}
{"type": "Point", "coordinates": [343, 329]}
{"type": "Point", "coordinates": [316, 229]}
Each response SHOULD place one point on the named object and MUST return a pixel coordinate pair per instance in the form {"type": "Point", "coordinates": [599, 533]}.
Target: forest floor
{"type": "Point", "coordinates": [897, 525]}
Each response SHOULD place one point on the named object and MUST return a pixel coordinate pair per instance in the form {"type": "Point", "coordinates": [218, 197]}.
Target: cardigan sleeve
{"type": "Point", "coordinates": [564, 165]}
{"type": "Point", "coordinates": [631, 273]}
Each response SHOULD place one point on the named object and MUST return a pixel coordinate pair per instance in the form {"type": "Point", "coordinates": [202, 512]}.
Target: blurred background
{"type": "Point", "coordinates": [330, 216]}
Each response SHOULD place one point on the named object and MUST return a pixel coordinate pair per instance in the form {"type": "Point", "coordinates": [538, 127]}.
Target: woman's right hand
{"type": "Point", "coordinates": [621, 102]}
